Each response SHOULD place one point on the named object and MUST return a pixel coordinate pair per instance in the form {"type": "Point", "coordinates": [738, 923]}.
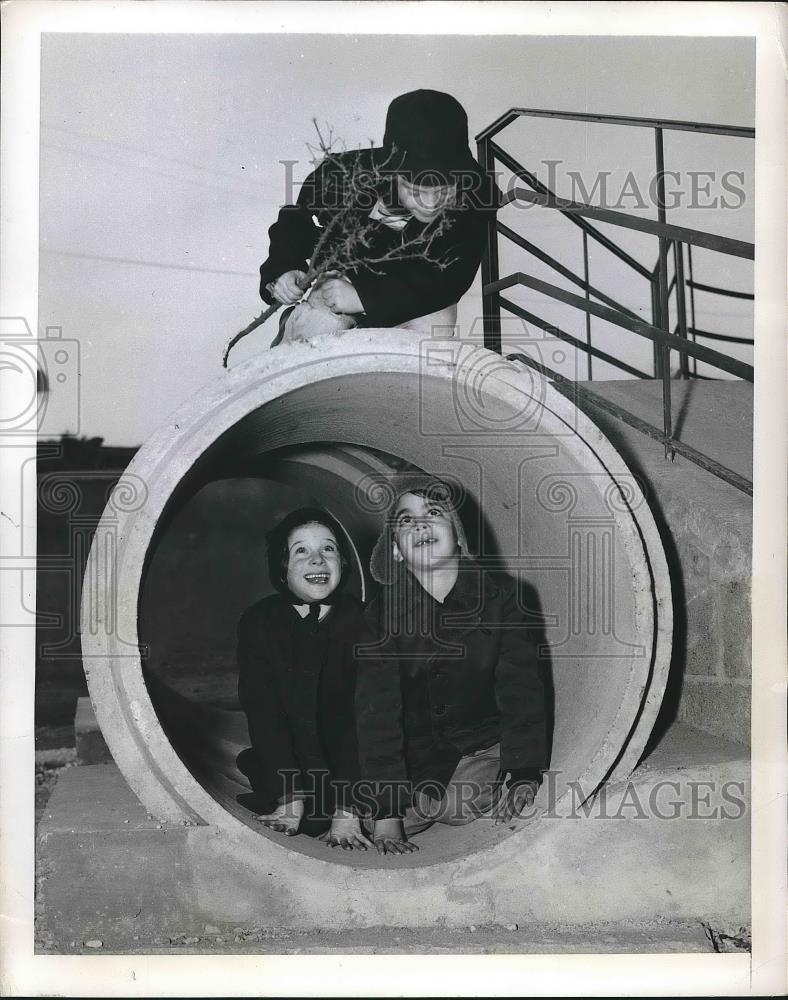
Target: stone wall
{"type": "Point", "coordinates": [706, 527]}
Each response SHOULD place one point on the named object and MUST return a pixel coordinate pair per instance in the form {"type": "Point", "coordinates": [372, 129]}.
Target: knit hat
{"type": "Point", "coordinates": [381, 564]}
{"type": "Point", "coordinates": [427, 132]}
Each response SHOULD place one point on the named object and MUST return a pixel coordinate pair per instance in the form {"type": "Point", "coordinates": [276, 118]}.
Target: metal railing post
{"type": "Point", "coordinates": [656, 299]}
{"type": "Point", "coordinates": [664, 350]}
{"type": "Point", "coordinates": [491, 307]}
{"type": "Point", "coordinates": [655, 318]}
{"type": "Point", "coordinates": [681, 305]}
{"type": "Point", "coordinates": [692, 306]}
{"type": "Point", "coordinates": [588, 297]}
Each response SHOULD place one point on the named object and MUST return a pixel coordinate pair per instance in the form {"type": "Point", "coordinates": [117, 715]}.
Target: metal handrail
{"type": "Point", "coordinates": [639, 326]}
{"type": "Point", "coordinates": [496, 153]}
{"type": "Point", "coordinates": [670, 124]}
{"type": "Point", "coordinates": [719, 336]}
{"type": "Point", "coordinates": [546, 258]}
{"type": "Point", "coordinates": [573, 211]}
{"type": "Point", "coordinates": [560, 334]}
{"type": "Point", "coordinates": [666, 230]}
{"type": "Point", "coordinates": [729, 292]}
{"type": "Point", "coordinates": [669, 236]}
{"type": "Point", "coordinates": [599, 402]}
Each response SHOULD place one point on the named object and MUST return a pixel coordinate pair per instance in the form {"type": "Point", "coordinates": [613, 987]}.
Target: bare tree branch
{"type": "Point", "coordinates": [348, 231]}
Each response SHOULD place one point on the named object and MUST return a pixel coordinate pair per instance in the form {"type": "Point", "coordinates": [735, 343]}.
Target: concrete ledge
{"type": "Point", "coordinates": [102, 864]}
{"type": "Point", "coordinates": [108, 871]}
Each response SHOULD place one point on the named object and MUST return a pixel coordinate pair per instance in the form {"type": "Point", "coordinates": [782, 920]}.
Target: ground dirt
{"type": "Point", "coordinates": [670, 937]}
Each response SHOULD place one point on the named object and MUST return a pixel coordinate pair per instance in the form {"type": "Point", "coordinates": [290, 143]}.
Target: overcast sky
{"type": "Point", "coordinates": [161, 172]}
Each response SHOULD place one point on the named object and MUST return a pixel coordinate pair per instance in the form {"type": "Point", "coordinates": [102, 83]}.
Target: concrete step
{"type": "Point", "coordinates": [669, 847]}
{"type": "Point", "coordinates": [715, 417]}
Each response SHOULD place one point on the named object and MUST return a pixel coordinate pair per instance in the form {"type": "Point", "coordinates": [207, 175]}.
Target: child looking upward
{"type": "Point", "coordinates": [450, 699]}
{"type": "Point", "coordinates": [297, 683]}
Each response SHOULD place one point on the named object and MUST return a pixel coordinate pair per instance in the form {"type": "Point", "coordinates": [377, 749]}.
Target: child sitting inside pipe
{"type": "Point", "coordinates": [297, 682]}
{"type": "Point", "coordinates": [450, 703]}
{"type": "Point", "coordinates": [430, 204]}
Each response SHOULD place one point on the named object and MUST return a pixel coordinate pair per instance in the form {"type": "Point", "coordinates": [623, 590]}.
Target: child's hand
{"type": "Point", "coordinates": [346, 833]}
{"type": "Point", "coordinates": [286, 288]}
{"type": "Point", "coordinates": [389, 837]}
{"type": "Point", "coordinates": [513, 800]}
{"type": "Point", "coordinates": [340, 296]}
{"type": "Point", "coordinates": [286, 818]}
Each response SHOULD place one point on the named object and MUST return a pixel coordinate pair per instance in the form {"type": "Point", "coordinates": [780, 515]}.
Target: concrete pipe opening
{"type": "Point", "coordinates": [547, 497]}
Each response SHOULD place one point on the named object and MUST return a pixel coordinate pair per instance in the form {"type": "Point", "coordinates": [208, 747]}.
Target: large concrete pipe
{"type": "Point", "coordinates": [550, 500]}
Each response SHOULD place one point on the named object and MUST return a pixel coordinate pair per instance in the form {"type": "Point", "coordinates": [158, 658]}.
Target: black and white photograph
{"type": "Point", "coordinates": [393, 498]}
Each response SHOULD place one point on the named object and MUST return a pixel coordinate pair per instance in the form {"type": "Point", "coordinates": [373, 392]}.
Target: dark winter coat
{"type": "Point", "coordinates": [446, 680]}
{"type": "Point", "coordinates": [299, 708]}
{"type": "Point", "coordinates": [404, 289]}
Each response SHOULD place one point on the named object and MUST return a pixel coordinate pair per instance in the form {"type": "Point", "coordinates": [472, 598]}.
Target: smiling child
{"type": "Point", "coordinates": [429, 175]}
{"type": "Point", "coordinates": [450, 700]}
{"type": "Point", "coordinates": [297, 683]}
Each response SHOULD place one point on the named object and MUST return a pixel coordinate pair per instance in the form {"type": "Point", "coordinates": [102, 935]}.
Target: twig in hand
{"type": "Point", "coordinates": [347, 231]}
{"type": "Point", "coordinates": [258, 321]}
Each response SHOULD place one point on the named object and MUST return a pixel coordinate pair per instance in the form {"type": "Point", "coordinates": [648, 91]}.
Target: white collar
{"type": "Point", "coordinates": [381, 214]}
{"type": "Point", "coordinates": [303, 610]}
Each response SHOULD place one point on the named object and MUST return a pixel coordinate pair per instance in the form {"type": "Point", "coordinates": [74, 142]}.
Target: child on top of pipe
{"type": "Point", "coordinates": [450, 698]}
{"type": "Point", "coordinates": [297, 682]}
{"type": "Point", "coordinates": [427, 174]}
